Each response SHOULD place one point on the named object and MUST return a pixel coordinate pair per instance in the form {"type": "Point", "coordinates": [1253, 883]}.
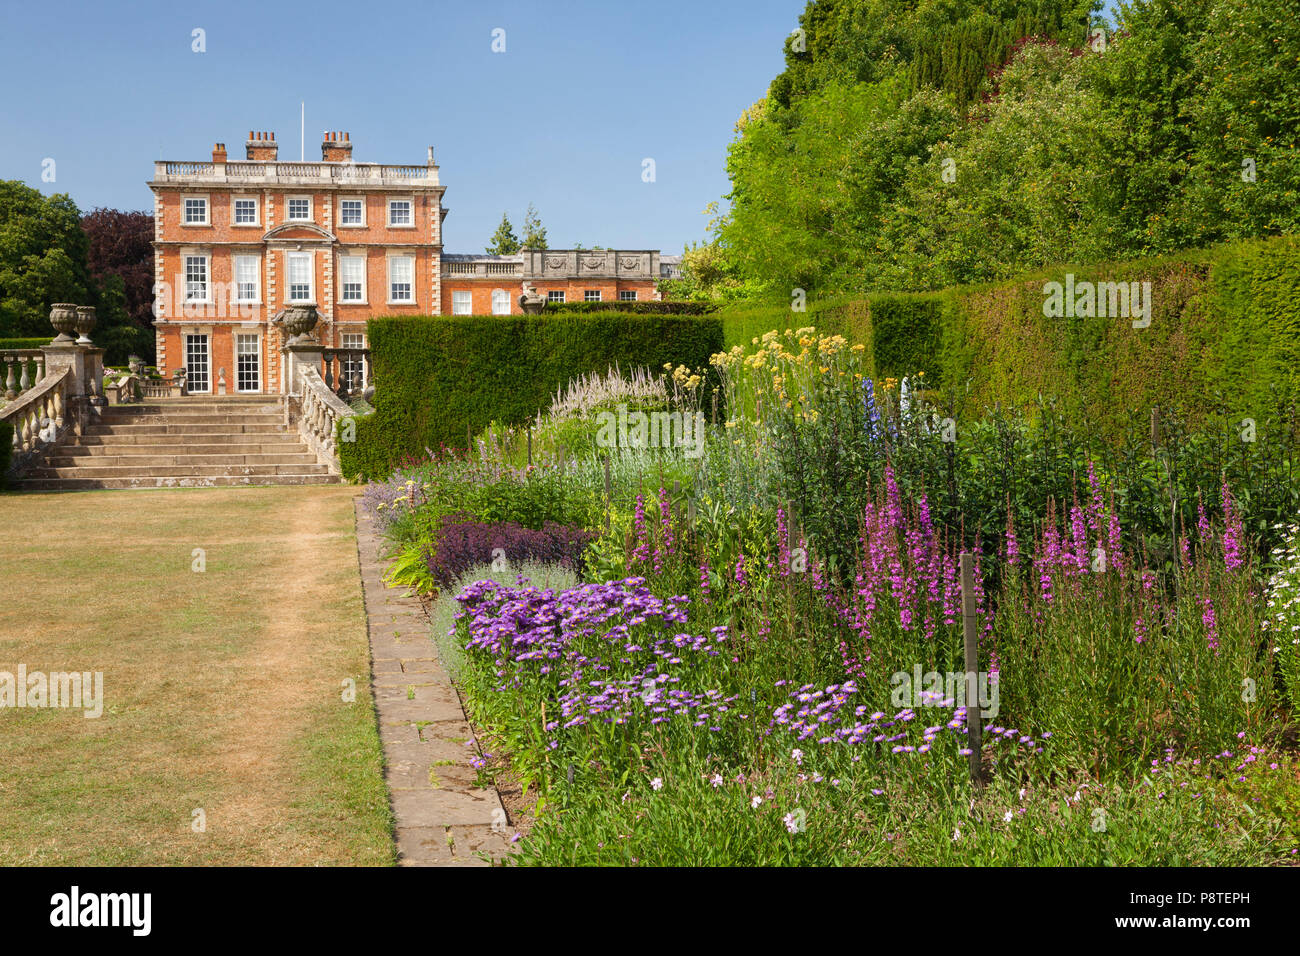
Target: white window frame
{"type": "Point", "coordinates": [343, 299]}
{"type": "Point", "coordinates": [256, 298]}
{"type": "Point", "coordinates": [345, 364]}
{"type": "Point", "coordinates": [352, 225]}
{"type": "Point", "coordinates": [289, 259]}
{"type": "Point", "coordinates": [257, 337]}
{"type": "Point", "coordinates": [499, 297]}
{"type": "Point", "coordinates": [555, 295]}
{"type": "Point", "coordinates": [234, 215]}
{"type": "Point", "coordinates": [466, 296]}
{"type": "Point", "coordinates": [591, 295]}
{"type": "Point", "coordinates": [206, 259]}
{"type": "Point", "coordinates": [389, 289]}
{"type": "Point", "coordinates": [207, 210]}
{"type": "Point", "coordinates": [288, 208]}
{"type": "Point", "coordinates": [206, 334]}
{"type": "Point", "coordinates": [410, 201]}
{"type": "Point", "coordinates": [627, 295]}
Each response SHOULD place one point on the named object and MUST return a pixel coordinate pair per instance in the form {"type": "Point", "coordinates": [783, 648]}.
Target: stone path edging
{"type": "Point", "coordinates": [442, 817]}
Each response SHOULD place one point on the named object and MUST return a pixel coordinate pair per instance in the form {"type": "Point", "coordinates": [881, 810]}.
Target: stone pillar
{"type": "Point", "coordinates": [297, 355]}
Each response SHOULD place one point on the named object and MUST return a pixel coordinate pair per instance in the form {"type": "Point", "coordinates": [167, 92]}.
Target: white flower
{"type": "Point", "coordinates": [1006, 817]}
{"type": "Point", "coordinates": [716, 780]}
{"type": "Point", "coordinates": [755, 803]}
{"type": "Point", "coordinates": [797, 754]}
{"type": "Point", "coordinates": [956, 833]}
{"type": "Point", "coordinates": [657, 783]}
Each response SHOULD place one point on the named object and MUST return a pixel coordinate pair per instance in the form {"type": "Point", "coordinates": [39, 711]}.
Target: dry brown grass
{"type": "Point", "coordinates": [223, 688]}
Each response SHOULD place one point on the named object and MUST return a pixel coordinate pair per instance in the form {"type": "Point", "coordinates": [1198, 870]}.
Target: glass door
{"type": "Point", "coordinates": [248, 362]}
{"type": "Point", "coordinates": [197, 360]}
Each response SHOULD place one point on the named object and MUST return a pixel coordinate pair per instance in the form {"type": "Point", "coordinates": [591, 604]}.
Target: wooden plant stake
{"type": "Point", "coordinates": [609, 492]}
{"type": "Point", "coordinates": [970, 624]}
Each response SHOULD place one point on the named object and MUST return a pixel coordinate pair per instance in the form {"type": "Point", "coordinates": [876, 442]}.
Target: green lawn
{"type": "Point", "coordinates": [223, 687]}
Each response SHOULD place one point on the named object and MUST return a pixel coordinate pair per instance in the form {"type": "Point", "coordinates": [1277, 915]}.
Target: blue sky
{"type": "Point", "coordinates": [563, 118]}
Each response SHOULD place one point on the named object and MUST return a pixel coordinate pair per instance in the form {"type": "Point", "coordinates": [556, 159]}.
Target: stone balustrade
{"type": "Point", "coordinates": [54, 391]}
{"type": "Point", "coordinates": [41, 416]}
{"type": "Point", "coordinates": [341, 374]}
{"type": "Point", "coordinates": [294, 173]}
{"type": "Point", "coordinates": [316, 410]}
{"type": "Point", "coordinates": [20, 369]}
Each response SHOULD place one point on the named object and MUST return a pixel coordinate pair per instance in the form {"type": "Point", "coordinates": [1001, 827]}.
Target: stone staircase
{"type": "Point", "coordinates": [191, 442]}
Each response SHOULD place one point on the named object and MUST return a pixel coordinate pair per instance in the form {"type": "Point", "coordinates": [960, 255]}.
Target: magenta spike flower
{"type": "Point", "coordinates": [1232, 532]}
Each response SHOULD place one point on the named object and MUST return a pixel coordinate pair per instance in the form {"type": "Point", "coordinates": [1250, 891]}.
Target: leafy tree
{"type": "Point", "coordinates": [534, 231]}
{"type": "Point", "coordinates": [504, 241]}
{"type": "Point", "coordinates": [121, 244]}
{"type": "Point", "coordinates": [42, 258]}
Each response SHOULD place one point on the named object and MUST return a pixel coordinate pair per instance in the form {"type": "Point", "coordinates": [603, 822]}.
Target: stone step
{"type": "Point", "coordinates": [203, 408]}
{"type": "Point", "coordinates": [218, 481]}
{"type": "Point", "coordinates": [188, 460]}
{"type": "Point", "coordinates": [118, 446]}
{"type": "Point", "coordinates": [215, 428]}
{"type": "Point", "coordinates": [187, 418]}
{"type": "Point", "coordinates": [175, 471]}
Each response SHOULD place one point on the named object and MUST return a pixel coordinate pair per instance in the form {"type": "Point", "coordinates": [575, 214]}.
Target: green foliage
{"type": "Point", "coordinates": [6, 451]}
{"type": "Point", "coordinates": [439, 375]}
{"type": "Point", "coordinates": [504, 241]}
{"type": "Point", "coordinates": [918, 146]}
{"type": "Point", "coordinates": [534, 231]}
{"type": "Point", "coordinates": [42, 257]}
{"type": "Point", "coordinates": [31, 343]}
{"type": "Point", "coordinates": [906, 335]}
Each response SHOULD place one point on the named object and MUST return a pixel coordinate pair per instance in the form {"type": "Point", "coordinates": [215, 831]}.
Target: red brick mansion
{"type": "Point", "coordinates": [236, 242]}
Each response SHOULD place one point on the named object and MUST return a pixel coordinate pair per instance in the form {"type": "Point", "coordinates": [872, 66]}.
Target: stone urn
{"type": "Point", "coordinates": [298, 322]}
{"type": "Point", "coordinates": [63, 316]}
{"type": "Point", "coordinates": [531, 301]}
{"type": "Point", "coordinates": [85, 323]}
{"type": "Point", "coordinates": [134, 363]}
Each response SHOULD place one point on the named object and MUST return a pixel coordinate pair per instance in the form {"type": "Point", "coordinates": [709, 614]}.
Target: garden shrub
{"type": "Point", "coordinates": [439, 375]}
{"type": "Point", "coordinates": [462, 543]}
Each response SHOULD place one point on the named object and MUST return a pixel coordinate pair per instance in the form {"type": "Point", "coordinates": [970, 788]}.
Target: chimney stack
{"type": "Point", "coordinates": [336, 147]}
{"type": "Point", "coordinates": [219, 153]}
{"type": "Point", "coordinates": [262, 147]}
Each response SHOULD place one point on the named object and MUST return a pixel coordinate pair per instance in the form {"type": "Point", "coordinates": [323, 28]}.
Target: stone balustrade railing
{"type": "Point", "coordinates": [289, 173]}
{"type": "Point", "coordinates": [347, 372]}
{"type": "Point", "coordinates": [41, 415]}
{"type": "Point", "coordinates": [20, 369]}
{"type": "Point", "coordinates": [316, 410]}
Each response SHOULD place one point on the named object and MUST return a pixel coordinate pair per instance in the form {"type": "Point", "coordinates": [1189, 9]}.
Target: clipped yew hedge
{"type": "Point", "coordinates": [1224, 335]}
{"type": "Point", "coordinates": [437, 375]}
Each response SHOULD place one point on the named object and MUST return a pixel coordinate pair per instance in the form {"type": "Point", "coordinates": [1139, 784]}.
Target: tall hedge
{"type": "Point", "coordinates": [1224, 334]}
{"type": "Point", "coordinates": [437, 375]}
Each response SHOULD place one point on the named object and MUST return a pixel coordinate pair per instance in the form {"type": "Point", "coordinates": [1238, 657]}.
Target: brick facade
{"type": "Point", "coordinates": [237, 242]}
